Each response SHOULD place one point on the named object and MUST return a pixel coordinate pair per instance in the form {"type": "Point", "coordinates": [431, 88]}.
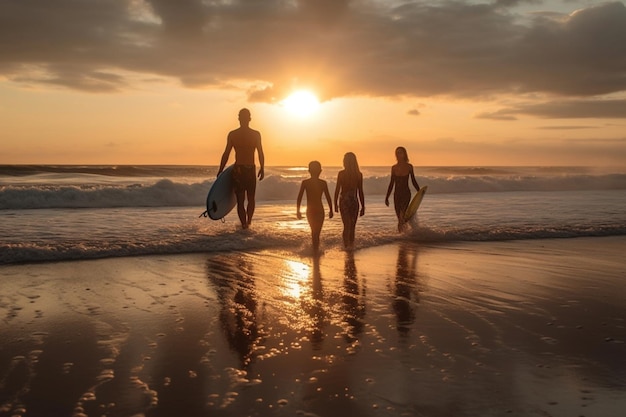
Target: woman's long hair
{"type": "Point", "coordinates": [404, 152]}
{"type": "Point", "coordinates": [352, 172]}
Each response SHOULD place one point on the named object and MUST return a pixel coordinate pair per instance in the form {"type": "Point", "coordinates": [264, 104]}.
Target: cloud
{"type": "Point", "coordinates": [566, 127]}
{"type": "Point", "coordinates": [588, 151]}
{"type": "Point", "coordinates": [372, 48]}
{"type": "Point", "coordinates": [503, 114]}
{"type": "Point", "coordinates": [413, 112]}
{"type": "Point", "coordinates": [569, 109]}
{"type": "Point", "coordinates": [595, 141]}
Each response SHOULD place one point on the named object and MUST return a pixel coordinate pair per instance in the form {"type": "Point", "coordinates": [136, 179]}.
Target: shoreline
{"type": "Point", "coordinates": [304, 250]}
{"type": "Point", "coordinates": [518, 328]}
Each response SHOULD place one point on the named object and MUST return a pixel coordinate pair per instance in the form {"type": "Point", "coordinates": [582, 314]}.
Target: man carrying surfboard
{"type": "Point", "coordinates": [245, 141]}
{"type": "Point", "coordinates": [400, 174]}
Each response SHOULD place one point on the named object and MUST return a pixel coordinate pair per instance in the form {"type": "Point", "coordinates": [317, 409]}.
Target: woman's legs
{"type": "Point", "coordinates": [349, 208]}
{"type": "Point", "coordinates": [401, 202]}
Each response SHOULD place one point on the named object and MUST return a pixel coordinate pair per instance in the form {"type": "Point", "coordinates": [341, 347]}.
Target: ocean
{"type": "Point", "coordinates": [60, 213]}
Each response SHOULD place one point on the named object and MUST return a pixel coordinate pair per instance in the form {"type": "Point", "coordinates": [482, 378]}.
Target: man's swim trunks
{"type": "Point", "coordinates": [244, 178]}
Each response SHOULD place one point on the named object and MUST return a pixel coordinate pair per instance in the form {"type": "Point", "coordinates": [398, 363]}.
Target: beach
{"type": "Point", "coordinates": [313, 208]}
{"type": "Point", "coordinates": [515, 328]}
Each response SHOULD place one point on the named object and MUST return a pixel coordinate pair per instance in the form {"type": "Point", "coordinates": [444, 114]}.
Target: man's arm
{"type": "Point", "coordinates": [225, 155]}
{"type": "Point", "coordinates": [259, 148]}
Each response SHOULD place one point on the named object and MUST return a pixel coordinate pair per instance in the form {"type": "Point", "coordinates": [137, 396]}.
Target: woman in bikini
{"type": "Point", "coordinates": [400, 174]}
{"type": "Point", "coordinates": [349, 197]}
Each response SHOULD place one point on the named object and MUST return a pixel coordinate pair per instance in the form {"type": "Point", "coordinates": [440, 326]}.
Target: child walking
{"type": "Point", "coordinates": [315, 214]}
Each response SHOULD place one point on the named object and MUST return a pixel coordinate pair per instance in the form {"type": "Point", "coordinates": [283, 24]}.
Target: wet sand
{"type": "Point", "coordinates": [524, 328]}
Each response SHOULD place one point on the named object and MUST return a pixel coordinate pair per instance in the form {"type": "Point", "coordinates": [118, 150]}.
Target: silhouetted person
{"type": "Point", "coordinates": [245, 141]}
{"type": "Point", "coordinates": [315, 214]}
{"type": "Point", "coordinates": [400, 174]}
{"type": "Point", "coordinates": [348, 196]}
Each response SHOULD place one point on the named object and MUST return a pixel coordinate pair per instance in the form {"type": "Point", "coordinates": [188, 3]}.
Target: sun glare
{"type": "Point", "coordinates": [301, 103]}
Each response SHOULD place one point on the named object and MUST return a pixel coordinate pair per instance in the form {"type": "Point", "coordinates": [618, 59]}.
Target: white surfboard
{"type": "Point", "coordinates": [221, 198]}
{"type": "Point", "coordinates": [415, 203]}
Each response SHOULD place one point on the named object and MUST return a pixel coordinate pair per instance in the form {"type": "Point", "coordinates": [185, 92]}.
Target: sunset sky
{"type": "Point", "coordinates": [503, 82]}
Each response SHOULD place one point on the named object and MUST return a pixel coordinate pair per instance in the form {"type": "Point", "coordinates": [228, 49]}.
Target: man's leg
{"type": "Point", "coordinates": [251, 195]}
{"type": "Point", "coordinates": [241, 210]}
{"type": "Point", "coordinates": [251, 205]}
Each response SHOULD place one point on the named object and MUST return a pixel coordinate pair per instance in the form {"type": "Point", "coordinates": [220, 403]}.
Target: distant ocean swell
{"type": "Point", "coordinates": [108, 170]}
{"type": "Point", "coordinates": [173, 193]}
{"type": "Point", "coordinates": [164, 193]}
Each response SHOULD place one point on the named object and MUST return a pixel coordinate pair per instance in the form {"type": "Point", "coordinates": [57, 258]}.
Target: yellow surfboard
{"type": "Point", "coordinates": [415, 203]}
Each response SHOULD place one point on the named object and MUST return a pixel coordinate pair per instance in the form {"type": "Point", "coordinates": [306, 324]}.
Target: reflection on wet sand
{"type": "Point", "coordinates": [406, 292]}
{"type": "Point", "coordinates": [317, 310]}
{"type": "Point", "coordinates": [353, 300]}
{"type": "Point", "coordinates": [236, 292]}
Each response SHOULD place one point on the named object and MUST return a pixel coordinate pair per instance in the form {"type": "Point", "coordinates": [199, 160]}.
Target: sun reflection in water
{"type": "Point", "coordinates": [295, 278]}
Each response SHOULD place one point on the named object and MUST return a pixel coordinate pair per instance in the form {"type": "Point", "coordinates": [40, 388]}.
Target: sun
{"type": "Point", "coordinates": [301, 103]}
